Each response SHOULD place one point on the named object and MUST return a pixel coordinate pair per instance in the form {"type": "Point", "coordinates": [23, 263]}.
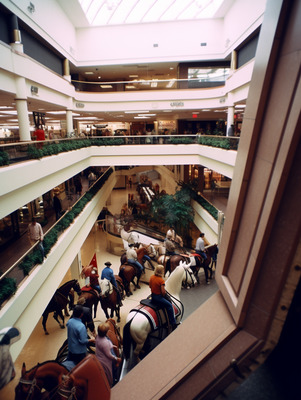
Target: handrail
{"type": "Point", "coordinates": [22, 151]}
{"type": "Point", "coordinates": [100, 181]}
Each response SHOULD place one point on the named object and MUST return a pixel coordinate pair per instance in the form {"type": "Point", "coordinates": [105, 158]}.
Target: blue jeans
{"type": "Point", "coordinates": [134, 262]}
{"type": "Point", "coordinates": [202, 254]}
{"type": "Point", "coordinates": [160, 300]}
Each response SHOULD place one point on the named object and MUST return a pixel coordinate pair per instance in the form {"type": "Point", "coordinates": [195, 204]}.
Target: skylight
{"type": "Point", "coordinates": [115, 12]}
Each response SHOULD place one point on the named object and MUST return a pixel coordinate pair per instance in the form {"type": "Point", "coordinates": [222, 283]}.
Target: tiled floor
{"type": "Point", "coordinates": [41, 348]}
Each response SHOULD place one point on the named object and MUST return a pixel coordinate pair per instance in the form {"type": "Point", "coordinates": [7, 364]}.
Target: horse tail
{"type": "Point", "coordinates": [127, 340]}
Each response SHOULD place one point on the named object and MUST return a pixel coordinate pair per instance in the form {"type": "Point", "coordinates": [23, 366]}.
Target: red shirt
{"type": "Point", "coordinates": [155, 284]}
{"type": "Point", "coordinates": [40, 134]}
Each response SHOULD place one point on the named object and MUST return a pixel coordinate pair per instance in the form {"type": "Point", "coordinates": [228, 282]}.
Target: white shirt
{"type": "Point", "coordinates": [35, 232]}
{"type": "Point", "coordinates": [200, 244]}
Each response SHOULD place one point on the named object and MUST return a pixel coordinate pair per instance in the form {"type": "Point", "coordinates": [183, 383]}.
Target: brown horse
{"type": "Point", "coordinates": [86, 381]}
{"type": "Point", "coordinates": [42, 377]}
{"type": "Point", "coordinates": [62, 296]}
{"type": "Point", "coordinates": [109, 296]}
{"type": "Point", "coordinates": [196, 262]}
{"type": "Point", "coordinates": [128, 272]}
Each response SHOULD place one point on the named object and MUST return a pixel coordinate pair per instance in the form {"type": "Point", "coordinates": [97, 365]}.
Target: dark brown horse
{"type": "Point", "coordinates": [128, 272]}
{"type": "Point", "coordinates": [61, 298]}
{"type": "Point", "coordinates": [42, 377]}
{"type": "Point", "coordinates": [196, 262]}
{"type": "Point", "coordinates": [92, 298]}
{"type": "Point", "coordinates": [109, 296]}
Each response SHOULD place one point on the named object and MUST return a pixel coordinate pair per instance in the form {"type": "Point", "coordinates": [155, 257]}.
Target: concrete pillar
{"type": "Point", "coordinates": [69, 121]}
{"type": "Point", "coordinates": [67, 75]}
{"type": "Point", "coordinates": [230, 121]}
{"type": "Point", "coordinates": [22, 109]}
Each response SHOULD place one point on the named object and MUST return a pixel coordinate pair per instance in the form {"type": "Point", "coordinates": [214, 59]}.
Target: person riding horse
{"type": "Point", "coordinates": [169, 245]}
{"type": "Point", "coordinates": [132, 258]}
{"type": "Point", "coordinates": [108, 274]}
{"type": "Point", "coordinates": [200, 250]}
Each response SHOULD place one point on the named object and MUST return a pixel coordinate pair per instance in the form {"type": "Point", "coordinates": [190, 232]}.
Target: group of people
{"type": "Point", "coordinates": [78, 341]}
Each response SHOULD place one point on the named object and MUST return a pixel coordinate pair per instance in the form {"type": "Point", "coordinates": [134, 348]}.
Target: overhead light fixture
{"type": "Point", "coordinates": [146, 115]}
{"type": "Point", "coordinates": [130, 87]}
{"type": "Point", "coordinates": [240, 105]}
{"type": "Point", "coordinates": [89, 73]}
{"type": "Point", "coordinates": [133, 76]}
{"type": "Point", "coordinates": [141, 117]}
{"type": "Point", "coordinates": [106, 86]}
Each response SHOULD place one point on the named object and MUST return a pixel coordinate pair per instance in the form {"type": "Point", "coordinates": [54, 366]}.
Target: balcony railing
{"type": "Point", "coordinates": [18, 152]}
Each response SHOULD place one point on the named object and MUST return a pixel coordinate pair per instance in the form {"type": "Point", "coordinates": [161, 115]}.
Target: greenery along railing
{"type": "Point", "coordinates": [191, 187]}
{"type": "Point", "coordinates": [35, 150]}
{"type": "Point", "coordinates": [8, 286]}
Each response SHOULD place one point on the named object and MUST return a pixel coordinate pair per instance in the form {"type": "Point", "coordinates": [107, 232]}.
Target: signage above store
{"type": "Point", "coordinates": [177, 104]}
{"type": "Point", "coordinates": [79, 105]}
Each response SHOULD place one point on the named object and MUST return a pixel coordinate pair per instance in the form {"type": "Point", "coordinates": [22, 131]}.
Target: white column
{"type": "Point", "coordinates": [69, 121]}
{"type": "Point", "coordinates": [22, 109]}
{"type": "Point", "coordinates": [230, 121]}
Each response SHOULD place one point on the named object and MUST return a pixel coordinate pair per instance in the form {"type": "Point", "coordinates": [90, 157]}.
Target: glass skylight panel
{"type": "Point", "coordinates": [157, 10]}
{"type": "Point", "coordinates": [113, 12]}
{"type": "Point", "coordinates": [174, 11]}
{"type": "Point", "coordinates": [139, 11]}
{"type": "Point", "coordinates": [121, 13]}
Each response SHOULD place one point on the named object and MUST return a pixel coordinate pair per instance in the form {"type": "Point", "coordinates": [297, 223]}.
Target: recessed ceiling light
{"type": "Point", "coordinates": [89, 73]}
{"type": "Point", "coordinates": [136, 112]}
{"type": "Point", "coordinates": [133, 76]}
{"type": "Point", "coordinates": [106, 86]}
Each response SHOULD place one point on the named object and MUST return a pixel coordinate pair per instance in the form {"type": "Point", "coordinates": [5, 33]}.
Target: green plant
{"type": "Point", "coordinates": [8, 287]}
{"type": "Point", "coordinates": [4, 158]}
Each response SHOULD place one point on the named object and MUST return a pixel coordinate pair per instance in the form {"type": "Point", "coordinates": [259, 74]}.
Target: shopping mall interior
{"type": "Point", "coordinates": [153, 99]}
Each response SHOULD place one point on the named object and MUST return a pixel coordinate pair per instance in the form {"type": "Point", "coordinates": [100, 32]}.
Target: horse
{"type": "Point", "coordinates": [91, 297]}
{"type": "Point", "coordinates": [196, 262]}
{"type": "Point", "coordinates": [109, 297]}
{"type": "Point", "coordinates": [51, 380]}
{"type": "Point", "coordinates": [62, 296]}
{"type": "Point", "coordinates": [128, 272]}
{"type": "Point", "coordinates": [86, 381]}
{"type": "Point", "coordinates": [138, 324]}
{"type": "Point", "coordinates": [39, 378]}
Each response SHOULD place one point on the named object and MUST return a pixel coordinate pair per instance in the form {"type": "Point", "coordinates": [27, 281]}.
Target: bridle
{"type": "Point", "coordinates": [33, 385]}
{"type": "Point", "coordinates": [68, 394]}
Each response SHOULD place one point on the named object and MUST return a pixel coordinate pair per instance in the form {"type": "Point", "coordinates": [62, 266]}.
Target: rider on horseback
{"type": "Point", "coordinates": [108, 274]}
{"type": "Point", "coordinates": [132, 258]}
{"type": "Point", "coordinates": [157, 286]}
{"type": "Point", "coordinates": [200, 250]}
{"type": "Point", "coordinates": [169, 245]}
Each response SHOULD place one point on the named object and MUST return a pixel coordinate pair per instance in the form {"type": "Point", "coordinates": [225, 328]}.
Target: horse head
{"type": "Point", "coordinates": [106, 287]}
{"type": "Point", "coordinates": [29, 387]}
{"type": "Point", "coordinates": [76, 287]}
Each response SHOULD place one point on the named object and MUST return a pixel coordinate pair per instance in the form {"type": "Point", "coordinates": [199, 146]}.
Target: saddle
{"type": "Point", "coordinates": [198, 257]}
{"type": "Point", "coordinates": [90, 290]}
{"type": "Point", "coordinates": [156, 314]}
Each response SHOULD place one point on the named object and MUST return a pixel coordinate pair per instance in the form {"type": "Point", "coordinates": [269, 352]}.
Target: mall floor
{"type": "Point", "coordinates": [40, 347]}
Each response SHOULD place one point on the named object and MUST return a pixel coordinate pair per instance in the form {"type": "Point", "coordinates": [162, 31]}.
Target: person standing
{"type": "Point", "coordinates": [36, 235]}
{"type": "Point", "coordinates": [86, 318]}
{"type": "Point", "coordinates": [104, 351]}
{"type": "Point", "coordinates": [57, 205]}
{"type": "Point", "coordinates": [77, 336]}
{"type": "Point", "coordinates": [157, 286]}
{"type": "Point", "coordinates": [108, 274]}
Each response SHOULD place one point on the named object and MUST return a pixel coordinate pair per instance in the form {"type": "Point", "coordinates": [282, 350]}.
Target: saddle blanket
{"type": "Point", "coordinates": [152, 315]}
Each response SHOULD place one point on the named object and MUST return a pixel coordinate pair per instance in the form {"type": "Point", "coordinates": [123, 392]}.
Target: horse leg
{"type": "Point", "coordinates": [57, 314]}
{"type": "Point", "coordinates": [205, 266]}
{"type": "Point", "coordinates": [45, 317]}
{"type": "Point", "coordinates": [66, 312]}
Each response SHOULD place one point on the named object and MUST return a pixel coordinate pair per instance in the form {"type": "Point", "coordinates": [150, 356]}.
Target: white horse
{"type": "Point", "coordinates": [131, 237]}
{"type": "Point", "coordinates": [138, 327]}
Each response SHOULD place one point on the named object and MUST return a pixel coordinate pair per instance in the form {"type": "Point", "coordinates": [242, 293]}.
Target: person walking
{"type": "Point", "coordinates": [157, 286]}
{"type": "Point", "coordinates": [36, 235]}
{"type": "Point", "coordinates": [108, 274]}
{"type": "Point", "coordinates": [77, 336]}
